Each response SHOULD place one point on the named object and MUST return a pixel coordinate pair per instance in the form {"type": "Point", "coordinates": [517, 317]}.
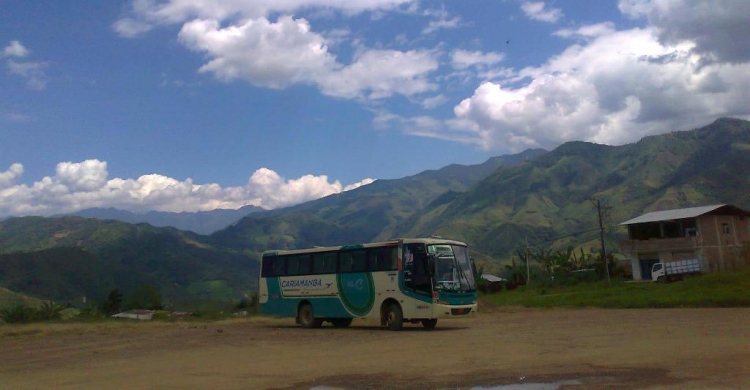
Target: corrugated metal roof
{"type": "Point", "coordinates": [667, 215]}
{"type": "Point", "coordinates": [492, 278]}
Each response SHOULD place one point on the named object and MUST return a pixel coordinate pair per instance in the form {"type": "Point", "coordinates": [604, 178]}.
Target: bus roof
{"type": "Point", "coordinates": [428, 241]}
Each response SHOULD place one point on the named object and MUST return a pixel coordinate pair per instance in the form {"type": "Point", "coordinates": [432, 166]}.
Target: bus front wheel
{"type": "Point", "coordinates": [307, 318]}
{"type": "Point", "coordinates": [394, 317]}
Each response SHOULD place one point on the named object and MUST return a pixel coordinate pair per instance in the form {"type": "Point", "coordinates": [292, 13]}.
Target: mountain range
{"type": "Point", "coordinates": [201, 222]}
{"type": "Point", "coordinates": [539, 197]}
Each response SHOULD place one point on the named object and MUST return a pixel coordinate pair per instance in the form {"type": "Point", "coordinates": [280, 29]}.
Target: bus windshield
{"type": "Point", "coordinates": [452, 268]}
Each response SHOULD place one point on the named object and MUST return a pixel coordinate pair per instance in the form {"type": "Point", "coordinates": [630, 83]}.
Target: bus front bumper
{"type": "Point", "coordinates": [453, 311]}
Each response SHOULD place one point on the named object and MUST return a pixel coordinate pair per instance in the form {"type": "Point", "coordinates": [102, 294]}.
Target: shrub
{"type": "Point", "coordinates": [18, 314]}
{"type": "Point", "coordinates": [49, 311]}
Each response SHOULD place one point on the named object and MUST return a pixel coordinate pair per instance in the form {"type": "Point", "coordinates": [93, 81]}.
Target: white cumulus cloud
{"type": "Point", "coordinates": [89, 175]}
{"type": "Point", "coordinates": [33, 72]}
{"type": "Point", "coordinates": [441, 19]}
{"type": "Point", "coordinates": [462, 59]}
{"type": "Point", "coordinates": [613, 86]}
{"type": "Point", "coordinates": [718, 29]}
{"type": "Point", "coordinates": [9, 177]}
{"type": "Point", "coordinates": [261, 52]}
{"type": "Point", "coordinates": [588, 31]}
{"type": "Point", "coordinates": [131, 28]}
{"type": "Point", "coordinates": [381, 74]}
{"type": "Point", "coordinates": [15, 49]}
{"type": "Point", "coordinates": [81, 185]}
{"type": "Point", "coordinates": [261, 43]}
{"type": "Point", "coordinates": [538, 10]}
{"type": "Point", "coordinates": [615, 89]}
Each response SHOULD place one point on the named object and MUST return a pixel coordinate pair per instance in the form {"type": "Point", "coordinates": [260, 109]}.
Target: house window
{"type": "Point", "coordinates": [725, 228]}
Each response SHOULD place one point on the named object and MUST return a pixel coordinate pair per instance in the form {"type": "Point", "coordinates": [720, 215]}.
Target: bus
{"type": "Point", "coordinates": [409, 280]}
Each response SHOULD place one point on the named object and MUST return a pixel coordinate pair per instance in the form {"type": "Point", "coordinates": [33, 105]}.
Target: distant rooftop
{"type": "Point", "coordinates": [691, 212]}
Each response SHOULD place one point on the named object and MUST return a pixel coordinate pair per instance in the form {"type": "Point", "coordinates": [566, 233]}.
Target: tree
{"type": "Point", "coordinates": [516, 273]}
{"type": "Point", "coordinates": [580, 262]}
{"type": "Point", "coordinates": [113, 303]}
{"type": "Point", "coordinates": [549, 261]}
{"type": "Point", "coordinates": [145, 297]}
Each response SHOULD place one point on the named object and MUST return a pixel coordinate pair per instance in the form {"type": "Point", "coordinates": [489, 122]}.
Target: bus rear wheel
{"type": "Point", "coordinates": [429, 323]}
{"type": "Point", "coordinates": [394, 317]}
{"type": "Point", "coordinates": [307, 317]}
{"type": "Point", "coordinates": [341, 322]}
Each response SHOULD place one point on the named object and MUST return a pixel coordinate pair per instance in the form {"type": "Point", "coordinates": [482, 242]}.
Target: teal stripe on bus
{"type": "Point", "coordinates": [323, 307]}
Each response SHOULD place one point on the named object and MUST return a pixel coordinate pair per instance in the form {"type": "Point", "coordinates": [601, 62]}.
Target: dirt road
{"type": "Point", "coordinates": [576, 349]}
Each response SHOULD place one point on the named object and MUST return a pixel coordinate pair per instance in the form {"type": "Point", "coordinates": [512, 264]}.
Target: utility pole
{"type": "Point", "coordinates": [528, 273]}
{"type": "Point", "coordinates": [602, 211]}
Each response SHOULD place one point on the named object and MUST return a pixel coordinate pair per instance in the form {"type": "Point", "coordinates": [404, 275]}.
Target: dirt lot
{"type": "Point", "coordinates": [576, 349]}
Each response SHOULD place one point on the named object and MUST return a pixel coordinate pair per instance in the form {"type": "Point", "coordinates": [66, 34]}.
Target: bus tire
{"type": "Point", "coordinates": [341, 322]}
{"type": "Point", "coordinates": [307, 317]}
{"type": "Point", "coordinates": [394, 317]}
{"type": "Point", "coordinates": [429, 323]}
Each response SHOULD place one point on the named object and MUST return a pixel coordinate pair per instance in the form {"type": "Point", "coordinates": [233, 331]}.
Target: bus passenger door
{"type": "Point", "coordinates": [417, 275]}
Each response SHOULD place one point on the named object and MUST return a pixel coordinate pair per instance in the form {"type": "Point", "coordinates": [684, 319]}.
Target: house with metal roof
{"type": "Point", "coordinates": [716, 234]}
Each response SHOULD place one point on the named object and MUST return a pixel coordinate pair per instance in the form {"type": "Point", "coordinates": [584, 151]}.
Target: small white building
{"type": "Point", "coordinates": [136, 314]}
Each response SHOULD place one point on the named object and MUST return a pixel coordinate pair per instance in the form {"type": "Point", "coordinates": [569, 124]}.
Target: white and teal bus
{"type": "Point", "coordinates": [406, 280]}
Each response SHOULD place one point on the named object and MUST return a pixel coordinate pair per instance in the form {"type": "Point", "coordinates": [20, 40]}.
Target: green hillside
{"type": "Point", "coordinates": [10, 299]}
{"type": "Point", "coordinates": [71, 257]}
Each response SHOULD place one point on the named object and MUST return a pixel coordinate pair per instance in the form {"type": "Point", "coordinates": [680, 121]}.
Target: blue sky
{"type": "Point", "coordinates": [187, 105]}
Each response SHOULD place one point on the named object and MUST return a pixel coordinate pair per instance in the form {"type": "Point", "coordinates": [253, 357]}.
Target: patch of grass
{"type": "Point", "coordinates": [711, 290]}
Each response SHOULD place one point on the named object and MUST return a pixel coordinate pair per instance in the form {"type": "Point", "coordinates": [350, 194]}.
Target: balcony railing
{"type": "Point", "coordinates": [659, 244]}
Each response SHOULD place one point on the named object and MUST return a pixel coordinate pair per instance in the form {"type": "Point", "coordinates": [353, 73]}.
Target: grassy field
{"type": "Point", "coordinates": [711, 290]}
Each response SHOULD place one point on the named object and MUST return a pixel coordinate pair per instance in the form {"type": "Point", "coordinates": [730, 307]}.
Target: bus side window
{"type": "Point", "coordinates": [325, 263]}
{"type": "Point", "coordinates": [374, 259]}
{"type": "Point", "coordinates": [345, 262]}
{"type": "Point", "coordinates": [298, 265]}
{"type": "Point", "coordinates": [267, 266]}
{"type": "Point", "coordinates": [353, 261]}
{"type": "Point", "coordinates": [360, 260]}
{"type": "Point", "coordinates": [383, 259]}
{"type": "Point", "coordinates": [279, 266]}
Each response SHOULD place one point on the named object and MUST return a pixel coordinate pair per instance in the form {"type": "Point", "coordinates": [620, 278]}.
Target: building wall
{"type": "Point", "coordinates": [721, 238]}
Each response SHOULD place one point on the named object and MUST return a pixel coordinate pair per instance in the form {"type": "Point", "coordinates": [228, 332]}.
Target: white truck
{"type": "Point", "coordinates": [677, 269]}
